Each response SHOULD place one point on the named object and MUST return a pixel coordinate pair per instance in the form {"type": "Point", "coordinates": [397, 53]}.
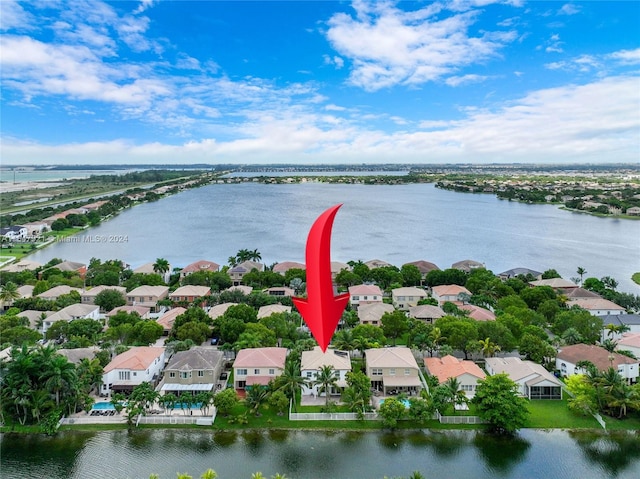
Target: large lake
{"type": "Point", "coordinates": [394, 223]}
{"type": "Point", "coordinates": [311, 455]}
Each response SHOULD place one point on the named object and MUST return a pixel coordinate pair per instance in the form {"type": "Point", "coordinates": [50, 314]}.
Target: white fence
{"type": "Point", "coordinates": [458, 419]}
{"type": "Point", "coordinates": [158, 419]}
{"type": "Point", "coordinates": [117, 419]}
{"type": "Point", "coordinates": [327, 416]}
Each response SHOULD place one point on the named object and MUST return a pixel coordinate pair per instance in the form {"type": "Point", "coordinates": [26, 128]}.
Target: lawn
{"type": "Point", "coordinates": [555, 414]}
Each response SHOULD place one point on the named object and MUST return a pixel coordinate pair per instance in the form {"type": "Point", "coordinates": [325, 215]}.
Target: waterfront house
{"type": "Point", "coordinates": [168, 318]}
{"type": "Point", "coordinates": [195, 370]}
{"type": "Point", "coordinates": [633, 211]}
{"type": "Point", "coordinates": [466, 372]}
{"type": "Point", "coordinates": [393, 370]}
{"type": "Point", "coordinates": [315, 359]}
{"type": "Point", "coordinates": [534, 381]}
{"type": "Point", "coordinates": [407, 297]}
{"type": "Point", "coordinates": [190, 293]}
{"type": "Point", "coordinates": [426, 312]}
{"type": "Point", "coordinates": [88, 296]}
{"type": "Point", "coordinates": [629, 342]}
{"type": "Point", "coordinates": [74, 311]}
{"type": "Point", "coordinates": [597, 306]}
{"type": "Point", "coordinates": [219, 309]}
{"type": "Point", "coordinates": [467, 265]}
{"type": "Point", "coordinates": [258, 366]}
{"type": "Point", "coordinates": [142, 311]}
{"type": "Point", "coordinates": [131, 368]}
{"type": "Point", "coordinates": [22, 265]}
{"type": "Point", "coordinates": [269, 309]}
{"type": "Point", "coordinates": [54, 293]}
{"type": "Point", "coordinates": [237, 272]}
{"type": "Point", "coordinates": [147, 296]}
{"type": "Point", "coordinates": [372, 313]}
{"type": "Point", "coordinates": [282, 268]}
{"type": "Point", "coordinates": [364, 294]}
{"type": "Point", "coordinates": [569, 356]}
{"type": "Point", "coordinates": [148, 268]}
{"type": "Point", "coordinates": [70, 267]}
{"type": "Point", "coordinates": [202, 265]}
{"type": "Point", "coordinates": [449, 293]}
{"type": "Point", "coordinates": [515, 272]}
{"type": "Point", "coordinates": [14, 233]}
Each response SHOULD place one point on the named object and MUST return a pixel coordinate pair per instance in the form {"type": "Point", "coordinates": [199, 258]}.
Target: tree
{"type": "Point", "coordinates": [278, 400]}
{"type": "Point", "coordinates": [498, 402]}
{"type": "Point", "coordinates": [326, 379]}
{"type": "Point", "coordinates": [161, 266]}
{"type": "Point", "coordinates": [291, 381]}
{"type": "Point", "coordinates": [391, 411]}
{"type": "Point", "coordinates": [8, 294]}
{"type": "Point", "coordinates": [109, 299]}
{"type": "Point", "coordinates": [488, 347]}
{"type": "Point", "coordinates": [60, 376]}
{"type": "Point", "coordinates": [394, 324]}
{"type": "Point", "coordinates": [225, 401]}
{"type": "Point", "coordinates": [461, 333]}
{"type": "Point", "coordinates": [581, 272]}
{"type": "Point", "coordinates": [195, 331]}
{"type": "Point", "coordinates": [411, 275]}
{"type": "Point", "coordinates": [536, 349]}
{"type": "Point", "coordinates": [255, 396]}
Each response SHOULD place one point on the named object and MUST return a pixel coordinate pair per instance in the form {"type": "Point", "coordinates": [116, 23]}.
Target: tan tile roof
{"type": "Point", "coordinates": [376, 263]}
{"type": "Point", "coordinates": [478, 313]}
{"type": "Point", "coordinates": [243, 289]}
{"type": "Point", "coordinates": [554, 283]}
{"type": "Point", "coordinates": [145, 290]}
{"type": "Point", "coordinates": [449, 290]}
{"type": "Point", "coordinates": [219, 309]}
{"type": "Point", "coordinates": [269, 309]}
{"type": "Point", "coordinates": [168, 318]}
{"type": "Point", "coordinates": [593, 304]}
{"type": "Point", "coordinates": [202, 265]}
{"type": "Point", "coordinates": [399, 357]}
{"type": "Point", "coordinates": [261, 358]}
{"type": "Point", "coordinates": [409, 291]}
{"type": "Point", "coordinates": [365, 289]}
{"type": "Point", "coordinates": [93, 292]}
{"type": "Point", "coordinates": [286, 266]}
{"type": "Point", "coordinates": [135, 359]}
{"type": "Point", "coordinates": [191, 290]}
{"type": "Point", "coordinates": [452, 367]}
{"type": "Point", "coordinates": [141, 310]}
{"type": "Point", "coordinates": [599, 356]}
{"type": "Point", "coordinates": [424, 266]}
{"type": "Point", "coordinates": [58, 291]}
{"type": "Point", "coordinates": [426, 311]}
{"type": "Point", "coordinates": [518, 369]}
{"type": "Point", "coordinates": [315, 359]}
{"type": "Point", "coordinates": [373, 311]}
{"type": "Point", "coordinates": [630, 339]}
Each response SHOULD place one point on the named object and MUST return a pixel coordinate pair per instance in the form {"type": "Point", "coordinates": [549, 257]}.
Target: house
{"type": "Point", "coordinates": [580, 293]}
{"type": "Point", "coordinates": [258, 366]}
{"type": "Point", "coordinates": [74, 311]}
{"type": "Point", "coordinates": [88, 296]}
{"type": "Point", "coordinates": [630, 321]}
{"type": "Point", "coordinates": [425, 267]}
{"type": "Point", "coordinates": [633, 211]}
{"type": "Point", "coordinates": [466, 372]}
{"type": "Point", "coordinates": [35, 318]}
{"type": "Point", "coordinates": [630, 342]}
{"type": "Point", "coordinates": [282, 268]}
{"type": "Point", "coordinates": [237, 272]}
{"type": "Point", "coordinates": [24, 291]}
{"type": "Point", "coordinates": [35, 228]}
{"type": "Point", "coordinates": [22, 265]}
{"type": "Point", "coordinates": [336, 267]}
{"type": "Point", "coordinates": [364, 294]}
{"type": "Point", "coordinates": [57, 291]}
{"type": "Point", "coordinates": [14, 233]}
{"type": "Point", "coordinates": [467, 265]}
{"type": "Point", "coordinates": [426, 312]}
{"type": "Point", "coordinates": [569, 356]}
{"type": "Point", "coordinates": [132, 368]}
{"type": "Point", "coordinates": [280, 291]}
{"type": "Point", "coordinates": [202, 265]}
{"type": "Point", "coordinates": [515, 272]}
{"type": "Point", "coordinates": [168, 318]}
{"type": "Point", "coordinates": [70, 266]}
{"type": "Point", "coordinates": [246, 290]}
{"type": "Point", "coordinates": [189, 293]}
{"type": "Point", "coordinates": [534, 381]}
{"type": "Point", "coordinates": [372, 313]}
{"type": "Point", "coordinates": [478, 313]}
{"type": "Point", "coordinates": [556, 283]}
{"type": "Point", "coordinates": [269, 309]}
{"type": "Point", "coordinates": [597, 306]}
{"type": "Point", "coordinates": [393, 370]}
{"type": "Point", "coordinates": [449, 293]}
{"type": "Point", "coordinates": [195, 370]}
{"type": "Point", "coordinates": [142, 311]}
{"type": "Point", "coordinates": [148, 268]}
{"type": "Point", "coordinates": [315, 359]}
{"type": "Point", "coordinates": [405, 298]}
{"type": "Point", "coordinates": [219, 309]}
{"type": "Point", "coordinates": [376, 263]}
{"type": "Point", "coordinates": [147, 296]}
{"type": "Point", "coordinates": [78, 354]}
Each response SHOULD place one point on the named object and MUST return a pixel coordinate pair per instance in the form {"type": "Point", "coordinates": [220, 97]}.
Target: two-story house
{"type": "Point", "coordinates": [407, 297]}
{"type": "Point", "coordinates": [466, 372]}
{"type": "Point", "coordinates": [88, 296]}
{"type": "Point", "coordinates": [189, 293]}
{"type": "Point", "coordinates": [195, 370]}
{"type": "Point", "coordinates": [569, 356]}
{"type": "Point", "coordinates": [393, 370]}
{"type": "Point", "coordinates": [147, 296]}
{"type": "Point", "coordinates": [131, 368]}
{"type": "Point", "coordinates": [315, 359]}
{"type": "Point", "coordinates": [258, 366]}
{"type": "Point", "coordinates": [364, 294]}
{"type": "Point", "coordinates": [449, 293]}
{"type": "Point", "coordinates": [71, 312]}
{"type": "Point", "coordinates": [237, 272]}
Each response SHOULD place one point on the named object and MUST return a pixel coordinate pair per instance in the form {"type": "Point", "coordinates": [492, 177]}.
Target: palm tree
{"type": "Point", "coordinates": [290, 382]}
{"type": "Point", "coordinates": [489, 348]}
{"type": "Point", "coordinates": [255, 397]}
{"type": "Point", "coordinates": [209, 474]}
{"type": "Point", "coordinates": [161, 266]}
{"type": "Point", "coordinates": [9, 293]}
{"type": "Point", "coordinates": [326, 379]}
{"type": "Point", "coordinates": [344, 341]}
{"type": "Point", "coordinates": [255, 255]}
{"type": "Point", "coordinates": [625, 397]}
{"type": "Point", "coordinates": [581, 272]}
{"type": "Point", "coordinates": [60, 376]}
{"type": "Point", "coordinates": [609, 345]}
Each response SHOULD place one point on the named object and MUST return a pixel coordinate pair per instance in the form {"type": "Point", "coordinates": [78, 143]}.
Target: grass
{"type": "Point", "coordinates": [555, 414]}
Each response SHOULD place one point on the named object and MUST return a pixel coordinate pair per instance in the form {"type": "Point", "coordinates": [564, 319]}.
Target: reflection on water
{"type": "Point", "coordinates": [305, 454]}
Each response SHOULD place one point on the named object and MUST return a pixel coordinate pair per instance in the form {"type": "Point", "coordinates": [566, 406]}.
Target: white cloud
{"type": "Point", "coordinates": [144, 4]}
{"type": "Point", "coordinates": [601, 63]}
{"type": "Point", "coordinates": [12, 15]}
{"type": "Point", "coordinates": [388, 46]}
{"type": "Point", "coordinates": [569, 9]}
{"type": "Point", "coordinates": [465, 79]}
{"type": "Point", "coordinates": [627, 57]}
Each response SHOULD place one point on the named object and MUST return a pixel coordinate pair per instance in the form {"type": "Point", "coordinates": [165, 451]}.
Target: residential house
{"type": "Point", "coordinates": [478, 313]}
{"type": "Point", "coordinates": [336, 267]}
{"type": "Point", "coordinates": [258, 366]}
{"type": "Point", "coordinates": [22, 265]}
{"type": "Point", "coordinates": [131, 368]}
{"type": "Point", "coordinates": [246, 290]}
{"type": "Point", "coordinates": [280, 291]}
{"type": "Point", "coordinates": [70, 266]}
{"type": "Point", "coordinates": [580, 293]}
{"type": "Point", "coordinates": [466, 372]}
{"type": "Point", "coordinates": [190, 293]}
{"type": "Point", "coordinates": [467, 265]}
{"type": "Point", "coordinates": [597, 306]}
{"type": "Point", "coordinates": [74, 311]}
{"type": "Point", "coordinates": [36, 228]}
{"type": "Point", "coordinates": [24, 291]}
{"type": "Point", "coordinates": [35, 318]}
{"type": "Point", "coordinates": [569, 356]}
{"type": "Point", "coordinates": [219, 309]}
{"type": "Point", "coordinates": [54, 293]}
{"type": "Point", "coordinates": [78, 354]}
{"type": "Point", "coordinates": [147, 296]}
{"type": "Point", "coordinates": [143, 311]}
{"type": "Point", "coordinates": [364, 294]}
{"type": "Point", "coordinates": [559, 284]}
{"type": "Point", "coordinates": [195, 370]}
{"type": "Point", "coordinates": [393, 370]}
{"type": "Point", "coordinates": [407, 297]}
{"type": "Point", "coordinates": [168, 318]}
{"type": "Point", "coordinates": [282, 268]}
{"type": "Point", "coordinates": [315, 359]}
{"type": "Point", "coordinates": [515, 272]}
{"type": "Point", "coordinates": [630, 342]}
{"type": "Point", "coordinates": [426, 312]}
{"type": "Point", "coordinates": [88, 296]}
{"type": "Point", "coordinates": [628, 321]}
{"type": "Point", "coordinates": [14, 233]}
{"type": "Point", "coordinates": [372, 313]}
{"type": "Point", "coordinates": [425, 267]}
{"type": "Point", "coordinates": [237, 272]}
{"type": "Point", "coordinates": [376, 263]}
{"type": "Point", "coordinates": [449, 293]}
{"type": "Point", "coordinates": [148, 268]}
{"type": "Point", "coordinates": [202, 265]}
{"type": "Point", "coordinates": [633, 211]}
{"type": "Point", "coordinates": [533, 380]}
{"type": "Point", "coordinates": [269, 309]}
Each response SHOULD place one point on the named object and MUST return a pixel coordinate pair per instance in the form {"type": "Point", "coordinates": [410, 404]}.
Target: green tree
{"type": "Point", "coordinates": [195, 331]}
{"type": "Point", "coordinates": [411, 275]}
{"type": "Point", "coordinates": [327, 380]}
{"type": "Point", "coordinates": [394, 325]}
{"type": "Point", "coordinates": [109, 299]}
{"type": "Point", "coordinates": [161, 266]}
{"type": "Point", "coordinates": [278, 400]}
{"type": "Point", "coordinates": [391, 411]}
{"type": "Point", "coordinates": [225, 401]}
{"type": "Point", "coordinates": [290, 381]}
{"type": "Point", "coordinates": [498, 402]}
{"type": "Point", "coordinates": [255, 396]}
{"type": "Point", "coordinates": [8, 293]}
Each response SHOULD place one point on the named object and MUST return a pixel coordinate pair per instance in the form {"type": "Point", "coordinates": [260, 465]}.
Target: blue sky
{"type": "Point", "coordinates": [461, 81]}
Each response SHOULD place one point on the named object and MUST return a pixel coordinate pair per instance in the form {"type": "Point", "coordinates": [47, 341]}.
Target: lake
{"type": "Point", "coordinates": [393, 223]}
{"type": "Point", "coordinates": [305, 455]}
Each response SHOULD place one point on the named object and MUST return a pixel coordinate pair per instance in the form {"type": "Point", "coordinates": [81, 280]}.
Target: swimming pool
{"type": "Point", "coordinates": [180, 405]}
{"type": "Point", "coordinates": [406, 402]}
{"type": "Point", "coordinates": [103, 406]}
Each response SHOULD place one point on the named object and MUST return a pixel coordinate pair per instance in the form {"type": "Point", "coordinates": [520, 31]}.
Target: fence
{"type": "Point", "coordinates": [327, 416]}
{"type": "Point", "coordinates": [117, 419]}
{"type": "Point", "coordinates": [458, 419]}
{"type": "Point", "coordinates": [157, 419]}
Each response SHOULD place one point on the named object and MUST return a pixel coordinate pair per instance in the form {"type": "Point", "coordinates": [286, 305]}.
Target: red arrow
{"type": "Point", "coordinates": [321, 310]}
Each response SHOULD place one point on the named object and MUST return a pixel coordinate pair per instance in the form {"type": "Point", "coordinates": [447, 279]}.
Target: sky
{"type": "Point", "coordinates": [319, 82]}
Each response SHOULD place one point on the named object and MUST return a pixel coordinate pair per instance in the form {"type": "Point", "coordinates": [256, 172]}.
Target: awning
{"type": "Point", "coordinates": [187, 387]}
{"type": "Point", "coordinates": [262, 380]}
{"type": "Point", "coordinates": [401, 381]}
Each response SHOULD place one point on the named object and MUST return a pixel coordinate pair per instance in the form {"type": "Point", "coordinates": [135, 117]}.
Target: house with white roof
{"type": "Point", "coordinates": [315, 359]}
{"type": "Point", "coordinates": [393, 370]}
{"type": "Point", "coordinates": [132, 368]}
{"type": "Point", "coordinates": [258, 366]}
{"type": "Point", "coordinates": [364, 294]}
{"type": "Point", "coordinates": [407, 297]}
{"type": "Point", "coordinates": [269, 309]}
{"type": "Point", "coordinates": [535, 381]}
